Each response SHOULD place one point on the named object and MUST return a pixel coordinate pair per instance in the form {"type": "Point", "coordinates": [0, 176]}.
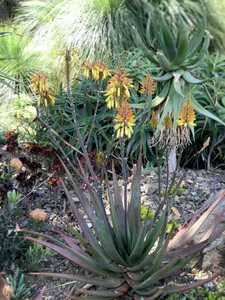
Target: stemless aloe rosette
{"type": "Point", "coordinates": [125, 255]}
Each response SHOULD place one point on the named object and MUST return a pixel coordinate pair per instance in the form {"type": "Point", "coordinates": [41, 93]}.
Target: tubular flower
{"type": "Point", "coordinates": [40, 86]}
{"type": "Point", "coordinates": [124, 121]}
{"type": "Point", "coordinates": [154, 120]}
{"type": "Point", "coordinates": [118, 89]}
{"type": "Point", "coordinates": [148, 86]}
{"type": "Point", "coordinates": [168, 123]}
{"type": "Point", "coordinates": [187, 115]}
{"type": "Point", "coordinates": [100, 71]}
{"type": "Point", "coordinates": [38, 215]}
{"type": "Point", "coordinates": [87, 69]}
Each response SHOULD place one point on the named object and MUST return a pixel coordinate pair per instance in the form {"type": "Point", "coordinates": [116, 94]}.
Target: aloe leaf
{"type": "Point", "coordinates": [182, 44]}
{"type": "Point", "coordinates": [138, 105]}
{"type": "Point", "coordinates": [164, 77]}
{"type": "Point", "coordinates": [186, 233]}
{"type": "Point", "coordinates": [190, 78]}
{"type": "Point", "coordinates": [116, 222]}
{"type": "Point", "coordinates": [200, 109]}
{"type": "Point", "coordinates": [104, 282]}
{"type": "Point", "coordinates": [77, 258]}
{"type": "Point", "coordinates": [167, 38]}
{"type": "Point", "coordinates": [160, 274]}
{"type": "Point", "coordinates": [107, 244]}
{"type": "Point", "coordinates": [165, 64]}
{"type": "Point", "coordinates": [102, 293]}
{"type": "Point", "coordinates": [196, 39]}
{"type": "Point", "coordinates": [118, 203]}
{"type": "Point", "coordinates": [188, 251]}
{"type": "Point", "coordinates": [200, 55]}
{"type": "Point", "coordinates": [134, 209]}
{"type": "Point", "coordinates": [162, 96]}
{"type": "Point", "coordinates": [150, 240]}
{"type": "Point", "coordinates": [140, 44]}
{"type": "Point", "coordinates": [177, 84]}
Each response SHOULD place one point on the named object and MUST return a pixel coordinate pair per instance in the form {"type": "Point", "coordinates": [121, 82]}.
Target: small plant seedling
{"type": "Point", "coordinates": [17, 282]}
{"type": "Point", "coordinates": [35, 255]}
{"type": "Point", "coordinates": [13, 197]}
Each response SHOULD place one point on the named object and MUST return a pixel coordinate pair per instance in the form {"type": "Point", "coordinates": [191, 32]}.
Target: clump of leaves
{"type": "Point", "coordinates": [36, 255]}
{"type": "Point", "coordinates": [17, 282]}
{"type": "Point", "coordinates": [128, 258]}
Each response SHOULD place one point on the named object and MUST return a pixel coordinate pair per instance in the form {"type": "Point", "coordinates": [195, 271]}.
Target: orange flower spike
{"type": "Point", "coordinates": [118, 88]}
{"type": "Point", "coordinates": [154, 120]}
{"type": "Point", "coordinates": [168, 123]}
{"type": "Point", "coordinates": [148, 86]}
{"type": "Point", "coordinates": [124, 121]}
{"type": "Point", "coordinates": [187, 115]}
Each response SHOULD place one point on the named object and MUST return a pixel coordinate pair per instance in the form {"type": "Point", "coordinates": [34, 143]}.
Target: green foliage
{"type": "Point", "coordinates": [202, 294]}
{"type": "Point", "coordinates": [17, 61]}
{"type": "Point", "coordinates": [211, 96]}
{"type": "Point", "coordinates": [127, 257]}
{"type": "Point", "coordinates": [17, 282]}
{"type": "Point", "coordinates": [146, 213]}
{"type": "Point", "coordinates": [12, 246]}
{"type": "Point", "coordinates": [13, 197]}
{"type": "Point", "coordinates": [178, 53]}
{"type": "Point", "coordinates": [88, 97]}
{"type": "Point", "coordinates": [36, 255]}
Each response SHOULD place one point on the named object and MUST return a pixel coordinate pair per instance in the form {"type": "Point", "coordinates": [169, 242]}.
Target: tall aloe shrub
{"type": "Point", "coordinates": [178, 53]}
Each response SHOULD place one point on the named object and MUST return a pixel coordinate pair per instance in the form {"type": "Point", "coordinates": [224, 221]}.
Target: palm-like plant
{"type": "Point", "coordinates": [16, 60]}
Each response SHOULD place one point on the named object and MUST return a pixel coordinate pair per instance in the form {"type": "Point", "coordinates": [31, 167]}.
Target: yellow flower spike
{"type": "Point", "coordinates": [100, 71]}
{"type": "Point", "coordinates": [40, 86]}
{"type": "Point", "coordinates": [154, 120]}
{"type": "Point", "coordinates": [168, 123]}
{"type": "Point", "coordinates": [87, 69]}
{"type": "Point", "coordinates": [124, 121]}
{"type": "Point", "coordinates": [187, 115]}
{"type": "Point", "coordinates": [117, 89]}
{"type": "Point", "coordinates": [148, 86]}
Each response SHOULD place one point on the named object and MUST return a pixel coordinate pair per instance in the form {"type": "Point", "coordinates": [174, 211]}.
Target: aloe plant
{"type": "Point", "coordinates": [178, 53]}
{"type": "Point", "coordinates": [126, 256]}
